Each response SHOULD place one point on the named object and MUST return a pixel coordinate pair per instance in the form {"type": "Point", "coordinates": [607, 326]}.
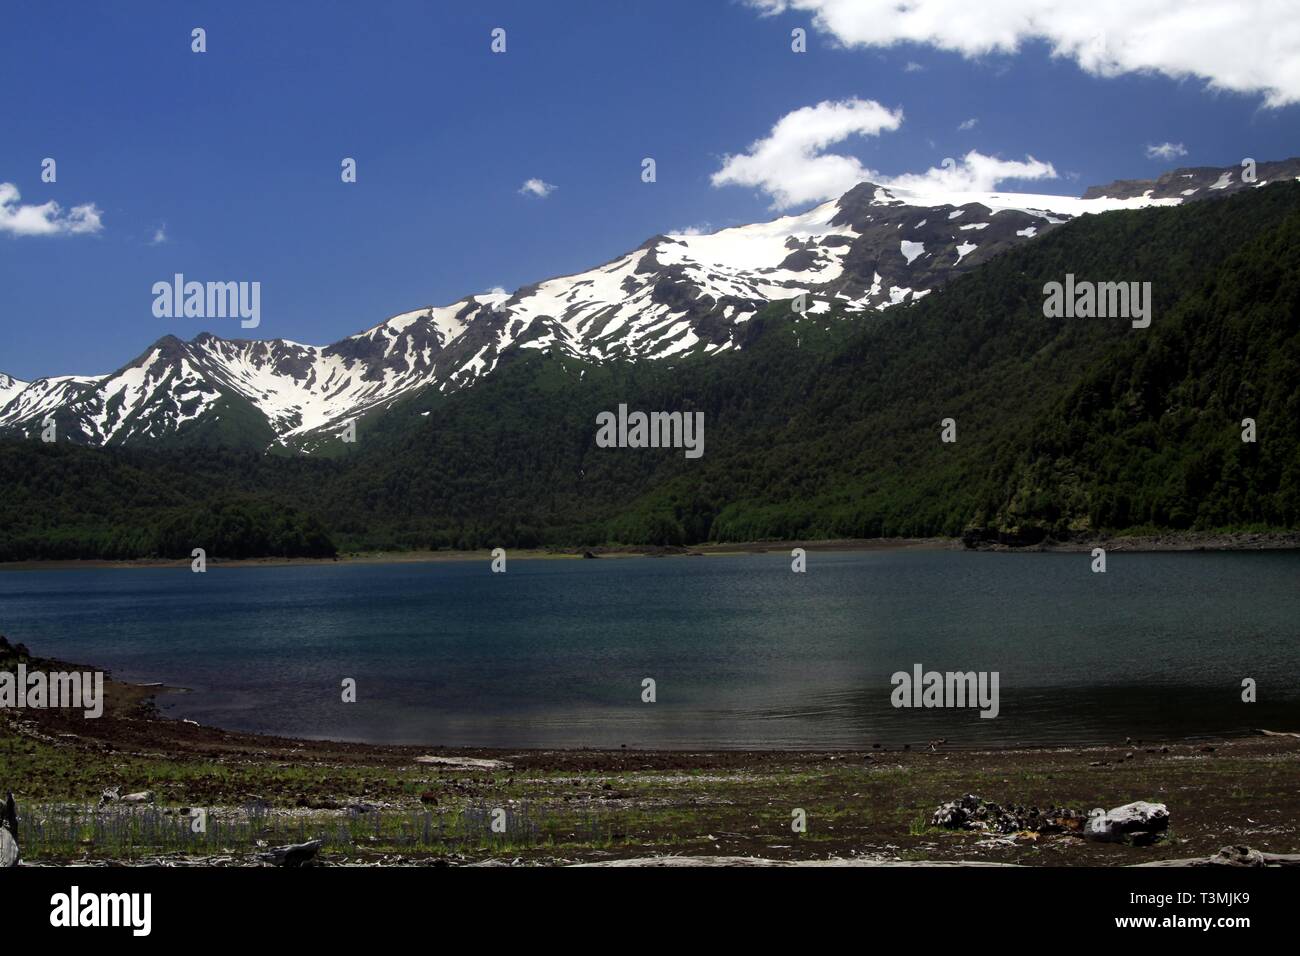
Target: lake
{"type": "Point", "coordinates": [743, 652]}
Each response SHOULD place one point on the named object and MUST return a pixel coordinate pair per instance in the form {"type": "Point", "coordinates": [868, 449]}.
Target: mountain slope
{"type": "Point", "coordinates": [825, 425]}
{"type": "Point", "coordinates": [810, 434]}
{"type": "Point", "coordinates": [673, 297]}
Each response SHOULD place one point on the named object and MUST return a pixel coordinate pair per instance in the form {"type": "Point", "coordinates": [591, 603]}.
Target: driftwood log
{"type": "Point", "coordinates": [295, 854]}
{"type": "Point", "coordinates": [1228, 856]}
{"type": "Point", "coordinates": [9, 833]}
{"type": "Point", "coordinates": [1235, 856]}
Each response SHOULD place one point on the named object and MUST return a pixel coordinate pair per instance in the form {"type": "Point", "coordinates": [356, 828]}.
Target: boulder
{"type": "Point", "coordinates": [958, 814]}
{"type": "Point", "coordinates": [1138, 822]}
{"type": "Point", "coordinates": [973, 813]}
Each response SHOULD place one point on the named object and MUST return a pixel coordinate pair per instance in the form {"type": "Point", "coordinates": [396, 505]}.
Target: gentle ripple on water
{"type": "Point", "coordinates": [744, 652]}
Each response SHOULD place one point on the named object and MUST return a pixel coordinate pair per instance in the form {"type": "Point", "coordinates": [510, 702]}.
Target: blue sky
{"type": "Point", "coordinates": [225, 165]}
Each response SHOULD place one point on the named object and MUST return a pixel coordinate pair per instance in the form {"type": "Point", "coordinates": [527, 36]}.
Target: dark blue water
{"type": "Point", "coordinates": [744, 653]}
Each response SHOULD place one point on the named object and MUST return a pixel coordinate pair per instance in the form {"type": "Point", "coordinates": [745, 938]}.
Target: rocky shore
{"type": "Point", "coordinates": [974, 540]}
{"type": "Point", "coordinates": [985, 539]}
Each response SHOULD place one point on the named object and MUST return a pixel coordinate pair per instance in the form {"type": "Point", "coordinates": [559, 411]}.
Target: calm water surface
{"type": "Point", "coordinates": [744, 653]}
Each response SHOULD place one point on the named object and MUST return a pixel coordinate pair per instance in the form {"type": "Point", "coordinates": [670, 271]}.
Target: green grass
{"type": "Point", "coordinates": [369, 807]}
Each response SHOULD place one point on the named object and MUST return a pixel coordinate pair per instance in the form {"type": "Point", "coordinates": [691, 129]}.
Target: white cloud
{"type": "Point", "coordinates": [1244, 46]}
{"type": "Point", "coordinates": [536, 187]}
{"type": "Point", "coordinates": [791, 167]}
{"type": "Point", "coordinates": [913, 67]}
{"type": "Point", "coordinates": [702, 229]}
{"type": "Point", "coordinates": [968, 124]}
{"type": "Point", "coordinates": [159, 236]}
{"type": "Point", "coordinates": [1166, 151]}
{"type": "Point", "coordinates": [974, 172]}
{"type": "Point", "coordinates": [790, 164]}
{"type": "Point", "coordinates": [47, 219]}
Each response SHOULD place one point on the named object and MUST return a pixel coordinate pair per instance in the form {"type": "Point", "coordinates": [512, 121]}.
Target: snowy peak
{"type": "Point", "coordinates": [9, 388]}
{"type": "Point", "coordinates": [122, 406]}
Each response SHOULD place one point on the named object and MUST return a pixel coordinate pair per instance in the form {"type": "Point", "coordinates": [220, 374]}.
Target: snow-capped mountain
{"type": "Point", "coordinates": [675, 295]}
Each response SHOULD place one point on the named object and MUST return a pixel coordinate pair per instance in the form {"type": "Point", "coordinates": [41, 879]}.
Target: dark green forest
{"type": "Point", "coordinates": [818, 427]}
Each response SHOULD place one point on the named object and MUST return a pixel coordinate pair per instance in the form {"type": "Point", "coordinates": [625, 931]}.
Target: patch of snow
{"type": "Point", "coordinates": [1033, 203]}
{"type": "Point", "coordinates": [9, 389]}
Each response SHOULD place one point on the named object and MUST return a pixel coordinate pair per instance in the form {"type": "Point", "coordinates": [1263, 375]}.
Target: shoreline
{"type": "Point", "coordinates": [136, 690]}
{"type": "Point", "coordinates": [411, 805]}
{"type": "Point", "coordinates": [1135, 544]}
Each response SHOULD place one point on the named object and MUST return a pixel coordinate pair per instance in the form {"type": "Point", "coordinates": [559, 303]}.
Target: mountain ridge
{"type": "Point", "coordinates": [872, 248]}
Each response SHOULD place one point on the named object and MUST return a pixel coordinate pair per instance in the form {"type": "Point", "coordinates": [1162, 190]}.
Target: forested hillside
{"type": "Point", "coordinates": [821, 426]}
